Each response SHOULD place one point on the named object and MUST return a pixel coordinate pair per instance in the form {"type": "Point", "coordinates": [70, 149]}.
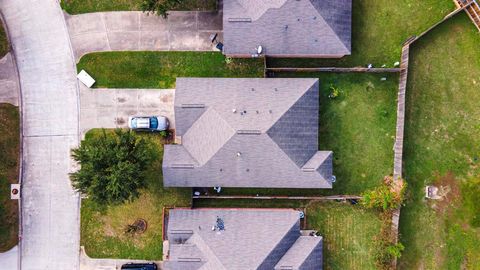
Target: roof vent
{"type": "Point", "coordinates": [234, 110]}
{"type": "Point", "coordinates": [182, 166]}
{"type": "Point", "coordinates": [239, 20]}
{"type": "Point", "coordinates": [249, 132]}
{"type": "Point", "coordinates": [239, 154]}
{"type": "Point", "coordinates": [187, 106]}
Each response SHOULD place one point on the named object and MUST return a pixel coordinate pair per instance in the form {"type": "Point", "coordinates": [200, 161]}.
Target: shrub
{"type": "Point", "coordinates": [112, 166]}
{"type": "Point", "coordinates": [387, 196]}
{"type": "Point", "coordinates": [334, 91]}
{"type": "Point", "coordinates": [159, 7]}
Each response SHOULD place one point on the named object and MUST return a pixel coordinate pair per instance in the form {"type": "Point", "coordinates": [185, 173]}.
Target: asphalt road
{"type": "Point", "coordinates": [50, 225]}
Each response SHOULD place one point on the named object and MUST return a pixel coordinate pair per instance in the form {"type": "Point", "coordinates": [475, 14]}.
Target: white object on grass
{"type": "Point", "coordinates": [85, 78]}
{"type": "Point", "coordinates": [396, 64]}
{"type": "Point", "coordinates": [15, 191]}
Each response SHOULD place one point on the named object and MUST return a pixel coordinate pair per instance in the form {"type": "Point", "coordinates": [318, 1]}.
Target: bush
{"type": "Point", "coordinates": [112, 166]}
{"type": "Point", "coordinates": [334, 91]}
{"type": "Point", "coordinates": [388, 196]}
{"type": "Point", "coordinates": [159, 7]}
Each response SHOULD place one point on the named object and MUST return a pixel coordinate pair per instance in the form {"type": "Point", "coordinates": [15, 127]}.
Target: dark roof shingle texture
{"type": "Point", "coordinates": [252, 133]}
{"type": "Point", "coordinates": [313, 28]}
{"type": "Point", "coordinates": [252, 239]}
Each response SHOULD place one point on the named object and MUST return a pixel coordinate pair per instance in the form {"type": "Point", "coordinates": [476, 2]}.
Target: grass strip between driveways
{"type": "Point", "coordinates": [9, 162]}
{"type": "Point", "coordinates": [86, 6]}
{"type": "Point", "coordinates": [160, 69]}
{"type": "Point", "coordinates": [103, 228]}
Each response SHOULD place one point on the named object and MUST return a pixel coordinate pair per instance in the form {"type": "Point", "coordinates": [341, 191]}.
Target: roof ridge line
{"type": "Point", "coordinates": [283, 236]}
{"type": "Point", "coordinates": [294, 102]}
{"type": "Point", "coordinates": [330, 27]}
{"type": "Point", "coordinates": [207, 247]}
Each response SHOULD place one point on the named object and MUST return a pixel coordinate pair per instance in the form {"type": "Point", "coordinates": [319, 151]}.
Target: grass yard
{"type": "Point", "coordinates": [103, 230]}
{"type": "Point", "coordinates": [3, 41]}
{"type": "Point", "coordinates": [442, 145]}
{"type": "Point", "coordinates": [9, 156]}
{"type": "Point", "coordinates": [86, 6]}
{"type": "Point", "coordinates": [358, 126]}
{"type": "Point", "coordinates": [379, 28]}
{"type": "Point", "coordinates": [160, 69]}
{"type": "Point", "coordinates": [348, 234]}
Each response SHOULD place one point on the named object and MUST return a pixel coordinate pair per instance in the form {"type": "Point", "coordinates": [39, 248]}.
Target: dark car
{"type": "Point", "coordinates": [139, 266]}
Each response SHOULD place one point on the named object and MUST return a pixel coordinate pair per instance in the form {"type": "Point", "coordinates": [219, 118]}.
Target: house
{"type": "Point", "coordinates": [234, 239]}
{"type": "Point", "coordinates": [258, 132]}
{"type": "Point", "coordinates": [287, 28]}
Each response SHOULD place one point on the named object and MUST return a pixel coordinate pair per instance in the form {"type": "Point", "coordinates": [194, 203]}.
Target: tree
{"type": "Point", "coordinates": [112, 166]}
{"type": "Point", "coordinates": [160, 7]}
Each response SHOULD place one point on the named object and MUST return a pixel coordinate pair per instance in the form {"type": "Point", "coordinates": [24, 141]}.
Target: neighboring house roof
{"type": "Point", "coordinates": [250, 239]}
{"type": "Point", "coordinates": [288, 27]}
{"type": "Point", "coordinates": [247, 133]}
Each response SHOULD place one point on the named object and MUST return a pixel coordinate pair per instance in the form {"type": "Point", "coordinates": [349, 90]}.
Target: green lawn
{"type": "Point", "coordinates": [442, 136]}
{"type": "Point", "coordinates": [379, 28]}
{"type": "Point", "coordinates": [358, 126]}
{"type": "Point", "coordinates": [86, 6]}
{"type": "Point", "coordinates": [102, 230]}
{"type": "Point", "coordinates": [160, 69]}
{"type": "Point", "coordinates": [348, 234]}
{"type": "Point", "coordinates": [3, 41]}
{"type": "Point", "coordinates": [9, 155]}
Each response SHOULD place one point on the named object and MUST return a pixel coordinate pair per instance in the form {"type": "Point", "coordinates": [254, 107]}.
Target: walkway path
{"type": "Point", "coordinates": [110, 108]}
{"type": "Point", "coordinates": [134, 31]}
{"type": "Point", "coordinates": [9, 87]}
{"type": "Point", "coordinates": [50, 208]}
{"type": "Point", "coordinates": [87, 263]}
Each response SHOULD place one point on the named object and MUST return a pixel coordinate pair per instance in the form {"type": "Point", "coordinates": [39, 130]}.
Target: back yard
{"type": "Point", "coordinates": [9, 152]}
{"type": "Point", "coordinates": [349, 234]}
{"type": "Point", "coordinates": [379, 28]}
{"type": "Point", "coordinates": [443, 147]}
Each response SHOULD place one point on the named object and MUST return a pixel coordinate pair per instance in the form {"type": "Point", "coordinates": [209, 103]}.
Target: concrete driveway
{"type": "Point", "coordinates": [137, 31]}
{"type": "Point", "coordinates": [110, 108]}
{"type": "Point", "coordinates": [50, 227]}
{"type": "Point", "coordinates": [9, 87]}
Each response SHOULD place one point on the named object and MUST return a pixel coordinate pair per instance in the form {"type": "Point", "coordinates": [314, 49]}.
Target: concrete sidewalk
{"type": "Point", "coordinates": [9, 259]}
{"type": "Point", "coordinates": [110, 108]}
{"type": "Point", "coordinates": [137, 31]}
{"type": "Point", "coordinates": [9, 88]}
{"type": "Point", "coordinates": [87, 263]}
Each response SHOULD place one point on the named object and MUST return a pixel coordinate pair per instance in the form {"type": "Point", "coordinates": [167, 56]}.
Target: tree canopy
{"type": "Point", "coordinates": [113, 166]}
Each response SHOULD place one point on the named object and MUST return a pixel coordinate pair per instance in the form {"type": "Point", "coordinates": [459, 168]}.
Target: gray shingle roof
{"type": "Point", "coordinates": [249, 133]}
{"type": "Point", "coordinates": [252, 239]}
{"type": "Point", "coordinates": [288, 27]}
{"type": "Point", "coordinates": [305, 254]}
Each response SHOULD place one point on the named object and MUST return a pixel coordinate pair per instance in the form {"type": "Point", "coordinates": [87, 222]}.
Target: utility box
{"type": "Point", "coordinates": [15, 191]}
{"type": "Point", "coordinates": [85, 78]}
